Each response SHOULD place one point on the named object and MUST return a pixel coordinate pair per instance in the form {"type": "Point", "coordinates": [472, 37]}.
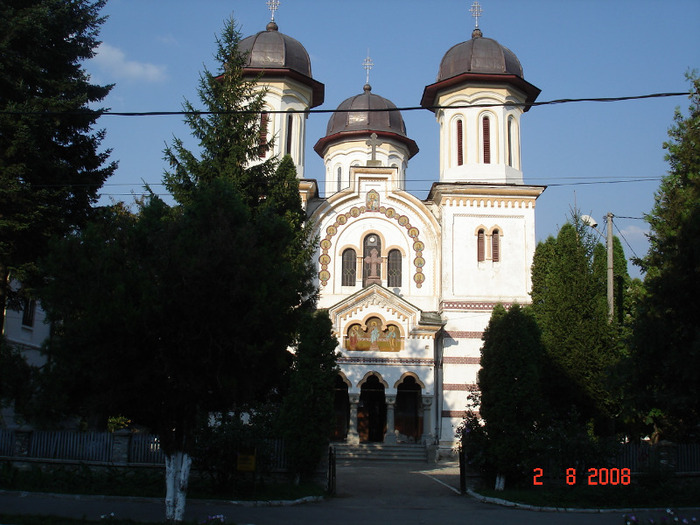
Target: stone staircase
{"type": "Point", "coordinates": [380, 452]}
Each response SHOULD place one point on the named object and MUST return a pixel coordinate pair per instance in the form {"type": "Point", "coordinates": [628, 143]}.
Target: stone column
{"type": "Point", "coordinates": [427, 402]}
{"type": "Point", "coordinates": [353, 436]}
{"type": "Point", "coordinates": [390, 437]}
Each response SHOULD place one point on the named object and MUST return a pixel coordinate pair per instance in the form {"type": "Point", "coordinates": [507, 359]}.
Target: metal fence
{"type": "Point", "coordinates": [7, 442]}
{"type": "Point", "coordinates": [145, 448]}
{"type": "Point", "coordinates": [81, 446]}
{"type": "Point", "coordinates": [677, 457]}
{"type": "Point", "coordinates": [105, 447]}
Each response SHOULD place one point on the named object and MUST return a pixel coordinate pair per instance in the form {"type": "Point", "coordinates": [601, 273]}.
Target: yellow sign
{"type": "Point", "coordinates": [246, 462]}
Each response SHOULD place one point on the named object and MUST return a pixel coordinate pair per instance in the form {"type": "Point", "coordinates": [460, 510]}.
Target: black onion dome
{"type": "Point", "coordinates": [354, 115]}
{"type": "Point", "coordinates": [479, 60]}
{"type": "Point", "coordinates": [272, 54]}
{"type": "Point", "coordinates": [271, 49]}
{"type": "Point", "coordinates": [479, 55]}
{"type": "Point", "coordinates": [363, 115]}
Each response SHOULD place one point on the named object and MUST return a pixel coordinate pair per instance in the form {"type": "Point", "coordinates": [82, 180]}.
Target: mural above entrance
{"type": "Point", "coordinates": [373, 338]}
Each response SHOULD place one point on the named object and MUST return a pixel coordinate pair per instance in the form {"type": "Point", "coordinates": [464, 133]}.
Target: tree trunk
{"type": "Point", "coordinates": [177, 475]}
{"type": "Point", "coordinates": [4, 283]}
{"type": "Point", "coordinates": [500, 482]}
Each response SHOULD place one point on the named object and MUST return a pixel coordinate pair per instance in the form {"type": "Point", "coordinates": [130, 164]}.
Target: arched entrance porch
{"type": "Point", "coordinates": [408, 416]}
{"type": "Point", "coordinates": [371, 411]}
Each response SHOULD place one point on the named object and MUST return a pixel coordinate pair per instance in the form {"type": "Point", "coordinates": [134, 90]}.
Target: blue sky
{"type": "Point", "coordinates": [154, 51]}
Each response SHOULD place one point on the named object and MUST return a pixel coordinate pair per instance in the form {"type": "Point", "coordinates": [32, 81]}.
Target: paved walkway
{"type": "Point", "coordinates": [369, 493]}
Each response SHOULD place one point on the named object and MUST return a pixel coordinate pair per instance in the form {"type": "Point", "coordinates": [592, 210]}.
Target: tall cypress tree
{"type": "Point", "coordinates": [570, 307]}
{"type": "Point", "coordinates": [51, 168]}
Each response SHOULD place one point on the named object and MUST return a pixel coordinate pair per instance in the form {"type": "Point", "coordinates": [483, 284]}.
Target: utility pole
{"type": "Point", "coordinates": [609, 245]}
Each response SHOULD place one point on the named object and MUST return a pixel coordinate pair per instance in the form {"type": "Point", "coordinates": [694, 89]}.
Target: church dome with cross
{"type": "Point", "coordinates": [362, 115]}
{"type": "Point", "coordinates": [479, 55]}
{"type": "Point", "coordinates": [271, 49]}
{"type": "Point", "coordinates": [360, 123]}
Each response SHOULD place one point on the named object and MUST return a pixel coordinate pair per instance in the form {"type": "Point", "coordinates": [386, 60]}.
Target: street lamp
{"type": "Point", "coordinates": [590, 221]}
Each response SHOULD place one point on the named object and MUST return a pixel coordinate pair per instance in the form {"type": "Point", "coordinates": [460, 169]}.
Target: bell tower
{"type": "Point", "coordinates": [478, 100]}
{"type": "Point", "coordinates": [281, 65]}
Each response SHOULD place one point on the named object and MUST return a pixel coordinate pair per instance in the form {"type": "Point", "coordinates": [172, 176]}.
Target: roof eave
{"type": "Point", "coordinates": [323, 143]}
{"type": "Point", "coordinates": [430, 92]}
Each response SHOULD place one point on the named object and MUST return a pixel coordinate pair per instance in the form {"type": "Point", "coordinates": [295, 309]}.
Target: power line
{"type": "Point", "coordinates": [526, 105]}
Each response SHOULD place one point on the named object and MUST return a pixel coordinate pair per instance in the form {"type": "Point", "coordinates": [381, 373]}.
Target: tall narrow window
{"type": "Point", "coordinates": [372, 260]}
{"type": "Point", "coordinates": [480, 251]}
{"type": "Point", "coordinates": [340, 178]}
{"type": "Point", "coordinates": [394, 269]}
{"type": "Point", "coordinates": [495, 246]}
{"type": "Point", "coordinates": [510, 141]}
{"type": "Point", "coordinates": [290, 127]}
{"type": "Point", "coordinates": [460, 143]}
{"type": "Point", "coordinates": [28, 313]}
{"type": "Point", "coordinates": [486, 131]}
{"type": "Point", "coordinates": [349, 269]}
{"type": "Point", "coordinates": [262, 134]}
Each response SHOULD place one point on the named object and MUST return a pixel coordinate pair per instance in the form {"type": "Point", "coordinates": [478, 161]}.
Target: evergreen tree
{"type": "Point", "coordinates": [51, 168]}
{"type": "Point", "coordinates": [570, 306]}
{"type": "Point", "coordinates": [228, 134]}
{"type": "Point", "coordinates": [310, 396]}
{"type": "Point", "coordinates": [510, 381]}
{"type": "Point", "coordinates": [666, 348]}
{"type": "Point", "coordinates": [175, 312]}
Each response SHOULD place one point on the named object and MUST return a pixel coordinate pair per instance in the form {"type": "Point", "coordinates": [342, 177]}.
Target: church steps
{"type": "Point", "coordinates": [380, 452]}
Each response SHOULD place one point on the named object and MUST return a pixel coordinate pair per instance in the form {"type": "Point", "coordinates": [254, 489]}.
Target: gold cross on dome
{"type": "Point", "coordinates": [475, 10]}
{"type": "Point", "coordinates": [367, 64]}
{"type": "Point", "coordinates": [273, 5]}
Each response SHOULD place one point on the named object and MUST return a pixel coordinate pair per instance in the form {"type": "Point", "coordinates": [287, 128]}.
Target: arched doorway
{"type": "Point", "coordinates": [408, 416]}
{"type": "Point", "coordinates": [341, 407]}
{"type": "Point", "coordinates": [371, 412]}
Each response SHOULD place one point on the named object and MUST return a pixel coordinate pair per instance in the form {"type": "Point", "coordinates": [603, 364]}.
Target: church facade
{"type": "Point", "coordinates": [409, 284]}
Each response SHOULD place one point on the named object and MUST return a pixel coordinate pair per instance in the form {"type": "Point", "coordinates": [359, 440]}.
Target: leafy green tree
{"type": "Point", "coordinates": [570, 306]}
{"type": "Point", "coordinates": [666, 346]}
{"type": "Point", "coordinates": [510, 382]}
{"type": "Point", "coordinates": [310, 395]}
{"type": "Point", "coordinates": [51, 168]}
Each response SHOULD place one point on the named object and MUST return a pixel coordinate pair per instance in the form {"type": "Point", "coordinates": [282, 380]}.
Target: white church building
{"type": "Point", "coordinates": [409, 284]}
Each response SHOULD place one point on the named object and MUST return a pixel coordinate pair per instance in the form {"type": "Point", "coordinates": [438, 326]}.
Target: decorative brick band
{"type": "Point", "coordinates": [461, 360]}
{"type": "Point", "coordinates": [454, 413]}
{"type": "Point", "coordinates": [417, 361]}
{"type": "Point", "coordinates": [469, 387]}
{"type": "Point", "coordinates": [464, 335]}
{"type": "Point", "coordinates": [482, 306]}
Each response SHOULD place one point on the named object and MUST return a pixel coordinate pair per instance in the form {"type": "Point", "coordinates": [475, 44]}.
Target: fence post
{"type": "Point", "coordinates": [120, 446]}
{"type": "Point", "coordinates": [462, 471]}
{"type": "Point", "coordinates": [331, 471]}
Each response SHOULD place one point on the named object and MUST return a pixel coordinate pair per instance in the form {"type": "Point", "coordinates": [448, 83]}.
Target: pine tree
{"type": "Point", "coordinates": [666, 348]}
{"type": "Point", "coordinates": [228, 133]}
{"type": "Point", "coordinates": [51, 168]}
